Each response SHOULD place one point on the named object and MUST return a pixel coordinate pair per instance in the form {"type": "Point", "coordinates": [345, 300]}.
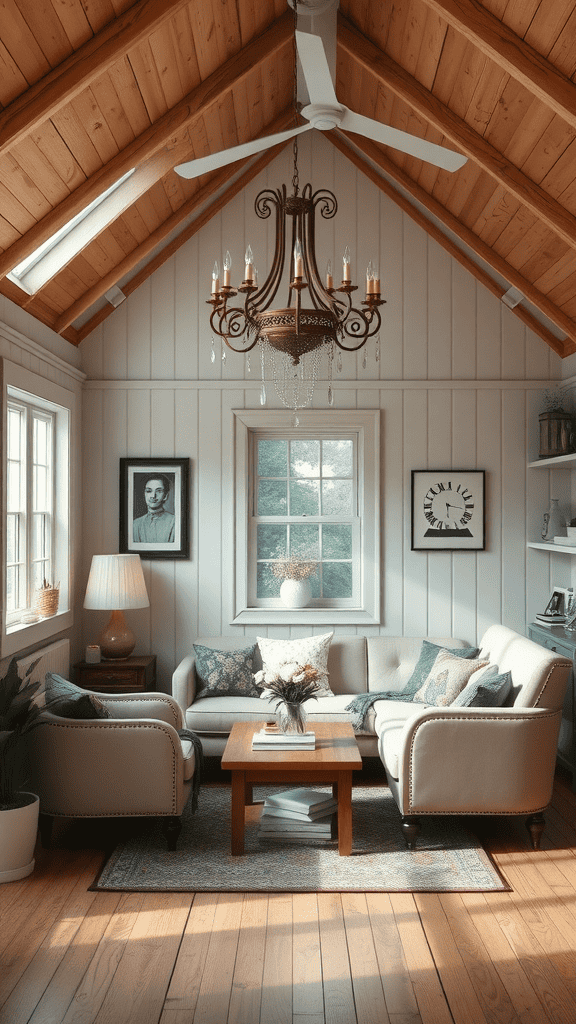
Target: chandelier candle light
{"type": "Point", "coordinates": [295, 335]}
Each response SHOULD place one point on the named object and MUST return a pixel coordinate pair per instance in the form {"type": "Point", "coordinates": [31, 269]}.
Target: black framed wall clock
{"type": "Point", "coordinates": [448, 509]}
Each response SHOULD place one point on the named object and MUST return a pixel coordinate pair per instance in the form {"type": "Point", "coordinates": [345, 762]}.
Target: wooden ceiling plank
{"type": "Point", "coordinates": [547, 25]}
{"type": "Point", "coordinates": [183, 41]}
{"type": "Point", "coordinates": [153, 139]}
{"type": "Point", "coordinates": [431, 49]}
{"type": "Point", "coordinates": [40, 171]}
{"type": "Point", "coordinates": [74, 22]}
{"type": "Point", "coordinates": [109, 102]}
{"type": "Point", "coordinates": [458, 132]}
{"type": "Point", "coordinates": [563, 53]}
{"type": "Point", "coordinates": [21, 44]}
{"type": "Point", "coordinates": [164, 54]}
{"type": "Point", "coordinates": [12, 81]}
{"type": "Point", "coordinates": [70, 128]}
{"type": "Point", "coordinates": [562, 269]}
{"type": "Point", "coordinates": [372, 153]}
{"type": "Point", "coordinates": [126, 86]}
{"type": "Point", "coordinates": [47, 28]}
{"type": "Point", "coordinates": [94, 122]}
{"type": "Point", "coordinates": [219, 180]}
{"type": "Point", "coordinates": [52, 146]}
{"type": "Point", "coordinates": [100, 13]}
{"type": "Point", "coordinates": [505, 48]}
{"type": "Point", "coordinates": [58, 87]}
{"type": "Point", "coordinates": [452, 59]}
{"type": "Point", "coordinates": [23, 188]}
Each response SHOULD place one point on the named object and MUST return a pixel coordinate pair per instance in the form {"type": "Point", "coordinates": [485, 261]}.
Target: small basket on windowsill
{"type": "Point", "coordinates": [47, 600]}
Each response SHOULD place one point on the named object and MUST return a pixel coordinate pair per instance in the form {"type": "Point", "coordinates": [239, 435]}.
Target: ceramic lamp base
{"type": "Point", "coordinates": [117, 641]}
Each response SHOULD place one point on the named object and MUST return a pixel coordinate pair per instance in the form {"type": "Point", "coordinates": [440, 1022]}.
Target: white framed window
{"type": "Point", "coordinates": [37, 418]}
{"type": "Point", "coordinates": [310, 491]}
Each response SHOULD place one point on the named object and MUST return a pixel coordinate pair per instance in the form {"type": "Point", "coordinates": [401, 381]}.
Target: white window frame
{"type": "Point", "coordinates": [325, 423]}
{"type": "Point", "coordinates": [24, 386]}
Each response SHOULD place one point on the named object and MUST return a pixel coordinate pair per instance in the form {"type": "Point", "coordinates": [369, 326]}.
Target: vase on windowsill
{"type": "Point", "coordinates": [295, 591]}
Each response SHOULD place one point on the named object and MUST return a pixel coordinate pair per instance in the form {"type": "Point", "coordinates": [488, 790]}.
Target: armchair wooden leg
{"type": "Point", "coordinates": [410, 828]}
{"type": "Point", "coordinates": [172, 827]}
{"type": "Point", "coordinates": [535, 824]}
{"type": "Point", "coordinates": [45, 823]}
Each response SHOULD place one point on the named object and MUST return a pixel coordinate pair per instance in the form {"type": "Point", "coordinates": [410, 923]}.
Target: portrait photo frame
{"type": "Point", "coordinates": [448, 510]}
{"type": "Point", "coordinates": [155, 507]}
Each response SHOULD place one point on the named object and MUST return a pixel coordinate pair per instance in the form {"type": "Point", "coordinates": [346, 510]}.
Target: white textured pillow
{"type": "Point", "coordinates": [448, 677]}
{"type": "Point", "coordinates": [309, 650]}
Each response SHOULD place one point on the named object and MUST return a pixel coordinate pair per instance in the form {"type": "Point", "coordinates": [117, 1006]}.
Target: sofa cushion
{"type": "Point", "coordinates": [428, 655]}
{"type": "Point", "coordinates": [310, 650]}
{"type": "Point", "coordinates": [69, 701]}
{"type": "Point", "coordinates": [218, 714]}
{"type": "Point", "coordinates": [225, 673]}
{"type": "Point", "coordinates": [391, 716]}
{"type": "Point", "coordinates": [448, 677]}
{"type": "Point", "coordinates": [486, 688]}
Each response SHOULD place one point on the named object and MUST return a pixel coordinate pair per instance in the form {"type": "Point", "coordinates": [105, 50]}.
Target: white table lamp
{"type": "Point", "coordinates": [116, 582]}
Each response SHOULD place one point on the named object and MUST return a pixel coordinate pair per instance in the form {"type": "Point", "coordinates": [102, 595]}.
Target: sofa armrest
{"type": "Point", "coordinates": [91, 767]}
{"type": "Point", "coordinates": [478, 760]}
{"type": "Point", "coordinates": [159, 706]}
{"type": "Point", "coordinates": [184, 683]}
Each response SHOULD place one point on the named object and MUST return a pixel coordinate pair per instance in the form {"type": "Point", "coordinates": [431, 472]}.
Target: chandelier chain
{"type": "Point", "coordinates": [295, 179]}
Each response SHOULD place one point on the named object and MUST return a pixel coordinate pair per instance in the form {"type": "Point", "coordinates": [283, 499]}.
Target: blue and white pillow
{"type": "Point", "coordinates": [487, 688]}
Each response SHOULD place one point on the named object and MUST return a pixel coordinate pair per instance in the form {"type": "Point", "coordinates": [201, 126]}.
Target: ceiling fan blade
{"type": "Point", "coordinates": [194, 168]}
{"type": "Point", "coordinates": [316, 70]}
{"type": "Point", "coordinates": [411, 144]}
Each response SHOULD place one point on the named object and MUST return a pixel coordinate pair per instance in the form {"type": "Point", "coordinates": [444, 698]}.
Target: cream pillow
{"type": "Point", "coordinates": [448, 677]}
{"type": "Point", "coordinates": [310, 650]}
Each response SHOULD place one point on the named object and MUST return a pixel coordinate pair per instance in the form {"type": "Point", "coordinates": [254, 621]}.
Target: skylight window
{"type": "Point", "coordinates": [49, 258]}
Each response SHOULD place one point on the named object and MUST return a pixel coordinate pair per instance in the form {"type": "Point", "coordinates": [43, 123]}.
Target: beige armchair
{"type": "Point", "coordinates": [132, 764]}
{"type": "Point", "coordinates": [473, 760]}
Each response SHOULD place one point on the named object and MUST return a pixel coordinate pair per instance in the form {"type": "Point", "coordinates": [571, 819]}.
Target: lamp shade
{"type": "Point", "coordinates": [116, 582]}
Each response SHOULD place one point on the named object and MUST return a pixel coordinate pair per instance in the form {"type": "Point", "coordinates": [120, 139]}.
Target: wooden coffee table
{"type": "Point", "coordinates": [332, 762]}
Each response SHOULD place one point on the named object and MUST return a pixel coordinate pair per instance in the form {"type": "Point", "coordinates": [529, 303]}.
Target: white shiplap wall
{"type": "Point", "coordinates": [459, 385]}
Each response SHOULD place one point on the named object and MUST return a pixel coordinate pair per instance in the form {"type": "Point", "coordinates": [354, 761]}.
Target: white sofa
{"type": "Point", "coordinates": [437, 760]}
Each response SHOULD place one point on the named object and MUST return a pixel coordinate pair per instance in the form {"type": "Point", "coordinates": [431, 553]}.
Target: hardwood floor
{"type": "Point", "coordinates": [68, 956]}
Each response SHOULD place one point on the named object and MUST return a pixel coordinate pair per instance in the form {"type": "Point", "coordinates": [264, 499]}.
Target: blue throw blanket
{"type": "Point", "coordinates": [187, 734]}
{"type": "Point", "coordinates": [361, 704]}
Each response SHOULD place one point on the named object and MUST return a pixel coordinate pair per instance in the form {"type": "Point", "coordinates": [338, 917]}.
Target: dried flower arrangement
{"type": "Point", "coordinates": [293, 568]}
{"type": "Point", "coordinates": [292, 684]}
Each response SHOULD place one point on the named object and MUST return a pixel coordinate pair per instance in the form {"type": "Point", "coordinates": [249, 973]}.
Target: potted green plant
{"type": "Point", "coordinates": [19, 713]}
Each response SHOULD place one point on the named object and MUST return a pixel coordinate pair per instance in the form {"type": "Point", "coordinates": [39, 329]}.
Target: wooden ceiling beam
{"type": "Point", "coordinates": [372, 153]}
{"type": "Point", "coordinates": [82, 67]}
{"type": "Point", "coordinates": [160, 134]}
{"type": "Point", "coordinates": [520, 60]}
{"type": "Point", "coordinates": [395, 78]}
{"type": "Point", "coordinates": [217, 182]}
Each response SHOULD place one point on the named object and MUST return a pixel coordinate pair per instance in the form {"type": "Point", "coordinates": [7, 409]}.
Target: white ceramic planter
{"type": "Point", "coordinates": [295, 593]}
{"type": "Point", "coordinates": [18, 828]}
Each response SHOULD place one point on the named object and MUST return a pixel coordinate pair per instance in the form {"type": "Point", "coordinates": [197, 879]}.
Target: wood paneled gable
{"type": "Point", "coordinates": [89, 91]}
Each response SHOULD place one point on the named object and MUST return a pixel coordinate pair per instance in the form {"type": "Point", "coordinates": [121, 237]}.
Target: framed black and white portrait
{"type": "Point", "coordinates": [154, 507]}
{"type": "Point", "coordinates": [448, 510]}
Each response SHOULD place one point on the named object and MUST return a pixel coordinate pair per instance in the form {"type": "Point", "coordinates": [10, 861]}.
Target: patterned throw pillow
{"type": "Point", "coordinates": [69, 701]}
{"type": "Point", "coordinates": [448, 677]}
{"type": "Point", "coordinates": [486, 688]}
{"type": "Point", "coordinates": [428, 654]}
{"type": "Point", "coordinates": [310, 650]}
{"type": "Point", "coordinates": [225, 673]}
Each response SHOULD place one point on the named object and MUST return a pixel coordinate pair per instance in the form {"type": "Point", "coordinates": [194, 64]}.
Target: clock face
{"type": "Point", "coordinates": [448, 508]}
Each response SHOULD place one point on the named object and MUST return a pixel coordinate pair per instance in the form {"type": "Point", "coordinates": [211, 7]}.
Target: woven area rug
{"type": "Point", "coordinates": [447, 858]}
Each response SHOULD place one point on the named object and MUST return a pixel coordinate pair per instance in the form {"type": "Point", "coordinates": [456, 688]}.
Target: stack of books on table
{"type": "Point", "coordinates": [272, 739]}
{"type": "Point", "coordinates": [298, 815]}
{"type": "Point", "coordinates": [550, 620]}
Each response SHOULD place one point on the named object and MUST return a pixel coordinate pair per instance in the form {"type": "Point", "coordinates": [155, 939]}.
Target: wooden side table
{"type": "Point", "coordinates": [136, 674]}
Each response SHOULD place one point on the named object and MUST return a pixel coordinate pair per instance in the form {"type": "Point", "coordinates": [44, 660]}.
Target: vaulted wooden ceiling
{"type": "Point", "coordinates": [92, 88]}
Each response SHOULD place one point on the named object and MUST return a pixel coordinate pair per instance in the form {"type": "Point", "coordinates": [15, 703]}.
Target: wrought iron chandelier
{"type": "Point", "coordinates": [317, 318]}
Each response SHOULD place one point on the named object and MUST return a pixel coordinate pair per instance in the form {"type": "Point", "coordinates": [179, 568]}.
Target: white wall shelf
{"type": "Point", "coordinates": [566, 549]}
{"type": "Point", "coordinates": [561, 461]}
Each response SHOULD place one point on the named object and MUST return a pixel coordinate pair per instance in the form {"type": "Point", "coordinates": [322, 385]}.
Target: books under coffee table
{"type": "Point", "coordinates": [299, 815]}
{"type": "Point", "coordinates": [331, 762]}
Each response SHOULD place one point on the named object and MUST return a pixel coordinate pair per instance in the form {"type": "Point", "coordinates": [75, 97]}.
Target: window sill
{"type": "Point", "coordinates": [22, 635]}
{"type": "Point", "coordinates": [304, 616]}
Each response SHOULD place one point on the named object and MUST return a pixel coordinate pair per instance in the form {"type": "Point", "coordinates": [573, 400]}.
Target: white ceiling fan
{"type": "Point", "coordinates": [324, 112]}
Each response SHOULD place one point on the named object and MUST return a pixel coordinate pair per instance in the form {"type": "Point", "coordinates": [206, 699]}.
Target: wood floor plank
{"type": "Point", "coordinates": [138, 989]}
{"type": "Point", "coordinates": [216, 983]}
{"type": "Point", "coordinates": [246, 993]}
{"type": "Point", "coordinates": [308, 994]}
{"type": "Point", "coordinates": [428, 991]}
{"type": "Point", "coordinates": [276, 1007]}
{"type": "Point", "coordinates": [184, 986]}
{"type": "Point", "coordinates": [41, 968]}
{"type": "Point", "coordinates": [398, 991]}
{"type": "Point", "coordinates": [459, 991]}
{"type": "Point", "coordinates": [366, 982]}
{"type": "Point", "coordinates": [338, 991]}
